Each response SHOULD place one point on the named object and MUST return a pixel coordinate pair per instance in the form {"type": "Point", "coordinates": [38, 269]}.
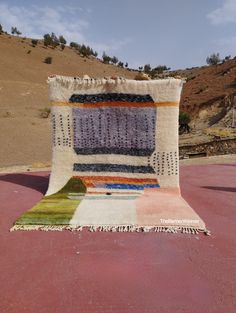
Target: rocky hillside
{"type": "Point", "coordinates": [208, 94]}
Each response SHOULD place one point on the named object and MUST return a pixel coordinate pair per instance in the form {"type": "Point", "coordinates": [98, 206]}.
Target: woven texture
{"type": "Point", "coordinates": [115, 158]}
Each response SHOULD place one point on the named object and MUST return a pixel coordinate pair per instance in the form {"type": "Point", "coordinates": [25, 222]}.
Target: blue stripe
{"type": "Point", "coordinates": [98, 167]}
{"type": "Point", "coordinates": [114, 150]}
{"type": "Point", "coordinates": [130, 186]}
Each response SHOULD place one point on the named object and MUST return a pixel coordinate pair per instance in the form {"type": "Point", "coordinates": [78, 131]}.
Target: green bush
{"type": "Point", "coordinates": [184, 118]}
{"type": "Point", "coordinates": [84, 50]}
{"type": "Point", "coordinates": [213, 59]}
{"type": "Point", "coordinates": [74, 45]}
{"type": "Point", "coordinates": [47, 40]}
{"type": "Point", "coordinates": [51, 40]}
{"type": "Point", "coordinates": [114, 60]}
{"type": "Point", "coordinates": [15, 31]}
{"type": "Point", "coordinates": [34, 42]}
{"type": "Point", "coordinates": [160, 69]}
{"type": "Point", "coordinates": [147, 68]}
{"type": "Point", "coordinates": [154, 72]}
{"type": "Point", "coordinates": [106, 59]}
{"type": "Point", "coordinates": [190, 77]}
{"type": "Point", "coordinates": [62, 40]}
{"type": "Point", "coordinates": [48, 60]}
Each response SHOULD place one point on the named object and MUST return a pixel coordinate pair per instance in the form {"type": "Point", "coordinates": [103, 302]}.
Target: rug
{"type": "Point", "coordinates": [115, 164]}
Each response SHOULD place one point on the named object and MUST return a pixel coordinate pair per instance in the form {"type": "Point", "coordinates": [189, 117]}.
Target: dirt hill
{"type": "Point", "coordinates": [25, 134]}
{"type": "Point", "coordinates": [208, 94]}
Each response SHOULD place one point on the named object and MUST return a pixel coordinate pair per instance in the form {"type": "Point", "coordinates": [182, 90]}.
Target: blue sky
{"type": "Point", "coordinates": [177, 33]}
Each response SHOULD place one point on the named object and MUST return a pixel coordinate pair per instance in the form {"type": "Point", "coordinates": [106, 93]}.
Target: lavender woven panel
{"type": "Point", "coordinates": [116, 130]}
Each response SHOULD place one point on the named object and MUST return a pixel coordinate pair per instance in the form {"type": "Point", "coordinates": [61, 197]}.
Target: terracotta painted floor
{"type": "Point", "coordinates": [82, 272]}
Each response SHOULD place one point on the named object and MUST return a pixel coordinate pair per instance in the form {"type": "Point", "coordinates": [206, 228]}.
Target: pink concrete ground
{"type": "Point", "coordinates": [84, 272]}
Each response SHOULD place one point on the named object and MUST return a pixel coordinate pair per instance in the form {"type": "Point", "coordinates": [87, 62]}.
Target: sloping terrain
{"type": "Point", "coordinates": [25, 136]}
{"type": "Point", "coordinates": [208, 94]}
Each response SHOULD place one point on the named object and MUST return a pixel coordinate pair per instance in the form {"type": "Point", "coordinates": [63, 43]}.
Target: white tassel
{"type": "Point", "coordinates": [77, 82]}
{"type": "Point", "coordinates": [112, 228]}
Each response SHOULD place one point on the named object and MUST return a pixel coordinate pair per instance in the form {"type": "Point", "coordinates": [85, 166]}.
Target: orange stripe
{"type": "Point", "coordinates": [116, 192]}
{"type": "Point", "coordinates": [89, 184]}
{"type": "Point", "coordinates": [117, 104]}
{"type": "Point", "coordinates": [96, 179]}
{"type": "Point", "coordinates": [167, 104]}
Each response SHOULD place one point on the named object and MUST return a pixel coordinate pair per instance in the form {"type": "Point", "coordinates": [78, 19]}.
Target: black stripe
{"type": "Point", "coordinates": [114, 150]}
{"type": "Point", "coordinates": [98, 167]}
{"type": "Point", "coordinates": [110, 97]}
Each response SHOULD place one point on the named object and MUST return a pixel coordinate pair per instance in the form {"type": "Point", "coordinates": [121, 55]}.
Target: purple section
{"type": "Point", "coordinates": [120, 128]}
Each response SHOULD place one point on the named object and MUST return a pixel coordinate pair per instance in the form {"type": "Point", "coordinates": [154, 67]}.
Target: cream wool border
{"type": "Point", "coordinates": [164, 90]}
{"type": "Point", "coordinates": [167, 140]}
{"type": "Point", "coordinates": [82, 105]}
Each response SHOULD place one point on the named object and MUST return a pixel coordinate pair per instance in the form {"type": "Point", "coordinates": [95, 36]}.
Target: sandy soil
{"type": "Point", "coordinates": [25, 136]}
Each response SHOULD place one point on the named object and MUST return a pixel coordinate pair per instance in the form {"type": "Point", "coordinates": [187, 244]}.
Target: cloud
{"type": "Point", "coordinates": [228, 41]}
{"type": "Point", "coordinates": [70, 21]}
{"type": "Point", "coordinates": [111, 46]}
{"type": "Point", "coordinates": [36, 21]}
{"type": "Point", "coordinates": [226, 45]}
{"type": "Point", "coordinates": [224, 14]}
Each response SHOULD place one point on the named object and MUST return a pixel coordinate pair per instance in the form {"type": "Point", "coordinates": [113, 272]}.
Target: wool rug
{"type": "Point", "coordinates": [115, 164]}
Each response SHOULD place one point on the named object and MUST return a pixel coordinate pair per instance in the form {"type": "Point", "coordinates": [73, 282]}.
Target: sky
{"type": "Point", "coordinates": [175, 33]}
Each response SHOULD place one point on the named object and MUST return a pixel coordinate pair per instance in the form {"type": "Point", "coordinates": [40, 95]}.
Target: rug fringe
{"type": "Point", "coordinates": [115, 228]}
{"type": "Point", "coordinates": [86, 81]}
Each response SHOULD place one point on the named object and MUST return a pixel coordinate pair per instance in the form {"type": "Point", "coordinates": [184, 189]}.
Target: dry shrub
{"type": "Point", "coordinates": [142, 76]}
{"type": "Point", "coordinates": [44, 113]}
{"type": "Point", "coordinates": [221, 132]}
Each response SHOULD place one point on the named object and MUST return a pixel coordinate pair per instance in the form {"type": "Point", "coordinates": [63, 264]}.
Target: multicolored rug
{"type": "Point", "coordinates": [115, 159]}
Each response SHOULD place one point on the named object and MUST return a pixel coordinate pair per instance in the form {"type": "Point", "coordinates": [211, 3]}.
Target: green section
{"type": "Point", "coordinates": [74, 185]}
{"type": "Point", "coordinates": [56, 209]}
{"type": "Point", "coordinates": [49, 212]}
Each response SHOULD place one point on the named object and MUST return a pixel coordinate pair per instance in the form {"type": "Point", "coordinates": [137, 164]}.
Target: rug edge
{"type": "Point", "coordinates": [114, 228]}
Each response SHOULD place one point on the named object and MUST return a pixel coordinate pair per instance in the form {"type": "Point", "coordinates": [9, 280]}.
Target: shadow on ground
{"type": "Point", "coordinates": [228, 189]}
{"type": "Point", "coordinates": [38, 183]}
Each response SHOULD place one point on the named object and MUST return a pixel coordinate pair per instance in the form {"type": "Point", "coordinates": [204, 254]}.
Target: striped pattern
{"type": "Point", "coordinates": [117, 104]}
{"type": "Point", "coordinates": [117, 179]}
{"type": "Point", "coordinates": [114, 150]}
{"type": "Point", "coordinates": [117, 139]}
{"type": "Point", "coordinates": [110, 97]}
{"type": "Point", "coordinates": [99, 167]}
{"type": "Point", "coordinates": [118, 183]}
{"type": "Point", "coordinates": [127, 186]}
